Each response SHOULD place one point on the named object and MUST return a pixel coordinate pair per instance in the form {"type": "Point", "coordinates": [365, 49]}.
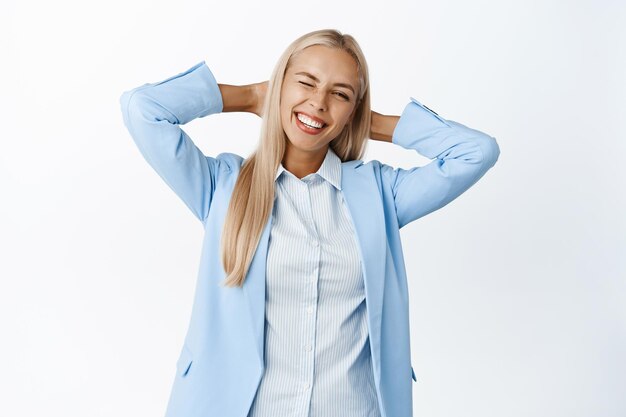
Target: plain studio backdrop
{"type": "Point", "coordinates": [517, 287]}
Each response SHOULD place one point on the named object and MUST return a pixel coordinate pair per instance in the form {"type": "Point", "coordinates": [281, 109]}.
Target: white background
{"type": "Point", "coordinates": [518, 287]}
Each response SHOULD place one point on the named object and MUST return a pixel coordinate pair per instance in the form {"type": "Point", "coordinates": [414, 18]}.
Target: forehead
{"type": "Point", "coordinates": [326, 63]}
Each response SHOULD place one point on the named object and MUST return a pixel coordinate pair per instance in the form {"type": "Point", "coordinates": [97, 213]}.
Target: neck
{"type": "Point", "coordinates": [301, 163]}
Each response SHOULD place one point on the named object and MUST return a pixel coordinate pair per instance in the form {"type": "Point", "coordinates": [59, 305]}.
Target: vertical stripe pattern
{"type": "Point", "coordinates": [317, 352]}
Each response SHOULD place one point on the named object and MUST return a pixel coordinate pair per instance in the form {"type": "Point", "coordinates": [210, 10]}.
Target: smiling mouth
{"type": "Point", "coordinates": [312, 130]}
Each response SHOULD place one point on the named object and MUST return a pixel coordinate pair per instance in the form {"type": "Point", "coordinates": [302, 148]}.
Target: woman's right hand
{"type": "Point", "coordinates": [259, 89]}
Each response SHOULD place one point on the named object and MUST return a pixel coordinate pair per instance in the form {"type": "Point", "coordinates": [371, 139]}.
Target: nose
{"type": "Point", "coordinates": [318, 100]}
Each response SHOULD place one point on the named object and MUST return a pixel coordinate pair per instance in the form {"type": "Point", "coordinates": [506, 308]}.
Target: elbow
{"type": "Point", "coordinates": [124, 101]}
{"type": "Point", "coordinates": [490, 150]}
{"type": "Point", "coordinates": [131, 105]}
{"type": "Point", "coordinates": [125, 104]}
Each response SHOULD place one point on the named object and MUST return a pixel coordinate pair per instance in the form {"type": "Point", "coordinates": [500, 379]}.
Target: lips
{"type": "Point", "coordinates": [316, 119]}
{"type": "Point", "coordinates": [309, 130]}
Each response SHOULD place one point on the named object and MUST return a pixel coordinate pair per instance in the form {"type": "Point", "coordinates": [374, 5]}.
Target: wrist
{"type": "Point", "coordinates": [382, 126]}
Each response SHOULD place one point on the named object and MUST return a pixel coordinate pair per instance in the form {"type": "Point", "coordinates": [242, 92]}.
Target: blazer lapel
{"type": "Point", "coordinates": [362, 199]}
{"type": "Point", "coordinates": [254, 291]}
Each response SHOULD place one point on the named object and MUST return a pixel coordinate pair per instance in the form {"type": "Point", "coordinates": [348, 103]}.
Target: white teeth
{"type": "Point", "coordinates": [309, 122]}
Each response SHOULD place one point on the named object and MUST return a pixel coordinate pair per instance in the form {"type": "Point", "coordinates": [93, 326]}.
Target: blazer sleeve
{"type": "Point", "coordinates": [461, 156]}
{"type": "Point", "coordinates": [153, 114]}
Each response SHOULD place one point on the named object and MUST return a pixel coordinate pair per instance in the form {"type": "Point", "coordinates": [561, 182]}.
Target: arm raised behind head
{"type": "Point", "coordinates": [153, 114]}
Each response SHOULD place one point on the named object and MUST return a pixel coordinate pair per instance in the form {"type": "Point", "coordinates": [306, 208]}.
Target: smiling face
{"type": "Point", "coordinates": [321, 85]}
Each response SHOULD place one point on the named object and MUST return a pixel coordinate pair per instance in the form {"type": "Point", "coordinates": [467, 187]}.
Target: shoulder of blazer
{"type": "Point", "coordinates": [355, 163]}
{"type": "Point", "coordinates": [379, 170]}
{"type": "Point", "coordinates": [373, 165]}
{"type": "Point", "coordinates": [230, 161]}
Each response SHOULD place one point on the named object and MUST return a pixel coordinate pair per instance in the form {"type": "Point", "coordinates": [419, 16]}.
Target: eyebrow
{"type": "Point", "coordinates": [317, 80]}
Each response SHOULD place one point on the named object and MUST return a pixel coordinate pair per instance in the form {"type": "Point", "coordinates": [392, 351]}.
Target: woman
{"type": "Point", "coordinates": [301, 303]}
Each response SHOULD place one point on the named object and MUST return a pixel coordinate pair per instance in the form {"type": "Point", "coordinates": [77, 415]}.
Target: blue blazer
{"type": "Point", "coordinates": [221, 361]}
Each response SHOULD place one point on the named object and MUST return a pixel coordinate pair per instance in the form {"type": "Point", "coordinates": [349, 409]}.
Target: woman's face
{"type": "Point", "coordinates": [328, 95]}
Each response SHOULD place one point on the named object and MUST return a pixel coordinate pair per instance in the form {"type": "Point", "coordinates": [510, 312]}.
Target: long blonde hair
{"type": "Point", "coordinates": [252, 199]}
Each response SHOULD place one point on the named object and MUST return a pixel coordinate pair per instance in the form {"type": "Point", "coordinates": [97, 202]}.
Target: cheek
{"type": "Point", "coordinates": [344, 117]}
{"type": "Point", "coordinates": [287, 103]}
{"type": "Point", "coordinates": [284, 105]}
{"type": "Point", "coordinates": [284, 117]}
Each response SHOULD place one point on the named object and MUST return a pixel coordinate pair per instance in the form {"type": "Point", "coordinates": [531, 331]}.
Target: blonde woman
{"type": "Point", "coordinates": [301, 304]}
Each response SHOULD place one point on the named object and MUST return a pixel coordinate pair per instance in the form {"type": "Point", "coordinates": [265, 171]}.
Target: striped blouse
{"type": "Point", "coordinates": [317, 352]}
